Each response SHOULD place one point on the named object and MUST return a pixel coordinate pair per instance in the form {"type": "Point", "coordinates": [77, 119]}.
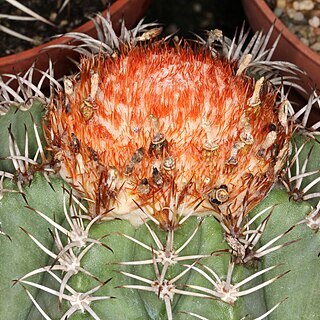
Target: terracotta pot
{"type": "Point", "coordinates": [129, 10]}
{"type": "Point", "coordinates": [290, 48]}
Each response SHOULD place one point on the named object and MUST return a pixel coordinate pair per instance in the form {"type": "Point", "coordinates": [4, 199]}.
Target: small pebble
{"type": "Point", "coordinates": [303, 5]}
{"type": "Point", "coordinates": [306, 5]}
{"type": "Point", "coordinates": [291, 12]}
{"type": "Point", "coordinates": [278, 12]}
{"type": "Point", "coordinates": [197, 7]}
{"type": "Point", "coordinates": [298, 16]}
{"type": "Point", "coordinates": [314, 22]}
{"type": "Point", "coordinates": [281, 4]}
{"type": "Point", "coordinates": [53, 16]}
{"type": "Point", "coordinates": [305, 41]}
{"type": "Point", "coordinates": [316, 46]}
{"type": "Point", "coordinates": [302, 18]}
{"type": "Point", "coordinates": [63, 23]}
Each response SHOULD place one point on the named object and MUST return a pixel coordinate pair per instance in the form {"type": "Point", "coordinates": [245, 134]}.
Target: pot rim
{"type": "Point", "coordinates": [31, 54]}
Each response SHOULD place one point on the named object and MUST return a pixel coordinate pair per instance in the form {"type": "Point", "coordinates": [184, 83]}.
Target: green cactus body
{"type": "Point", "coordinates": [206, 230]}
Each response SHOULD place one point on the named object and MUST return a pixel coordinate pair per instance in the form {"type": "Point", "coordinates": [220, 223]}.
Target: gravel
{"type": "Point", "coordinates": [302, 18]}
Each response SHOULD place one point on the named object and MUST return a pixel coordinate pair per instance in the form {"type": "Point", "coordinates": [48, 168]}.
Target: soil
{"type": "Point", "coordinates": [196, 16]}
{"type": "Point", "coordinates": [73, 15]}
{"type": "Point", "coordinates": [182, 16]}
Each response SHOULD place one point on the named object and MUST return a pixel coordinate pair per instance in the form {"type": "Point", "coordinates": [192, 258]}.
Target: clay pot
{"type": "Point", "coordinates": [129, 10]}
{"type": "Point", "coordinates": [290, 48]}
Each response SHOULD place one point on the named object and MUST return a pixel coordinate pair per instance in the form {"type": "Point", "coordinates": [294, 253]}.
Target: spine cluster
{"type": "Point", "coordinates": [158, 171]}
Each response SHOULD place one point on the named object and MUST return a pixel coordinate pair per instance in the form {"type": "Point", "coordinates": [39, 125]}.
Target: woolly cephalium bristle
{"type": "Point", "coordinates": [166, 126]}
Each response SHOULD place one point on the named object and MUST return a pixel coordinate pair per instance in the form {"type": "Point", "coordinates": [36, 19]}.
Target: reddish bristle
{"type": "Point", "coordinates": [180, 89]}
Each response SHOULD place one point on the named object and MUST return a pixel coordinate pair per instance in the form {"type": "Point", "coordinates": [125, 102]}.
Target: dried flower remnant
{"type": "Point", "coordinates": [156, 112]}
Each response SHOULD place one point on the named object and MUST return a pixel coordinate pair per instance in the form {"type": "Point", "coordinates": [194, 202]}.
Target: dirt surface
{"type": "Point", "coordinates": [196, 16]}
{"type": "Point", "coordinates": [73, 15]}
{"type": "Point", "coordinates": [182, 16]}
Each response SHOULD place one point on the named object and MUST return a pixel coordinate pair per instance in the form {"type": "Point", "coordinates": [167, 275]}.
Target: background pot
{"type": "Point", "coordinates": [289, 48]}
{"type": "Point", "coordinates": [131, 11]}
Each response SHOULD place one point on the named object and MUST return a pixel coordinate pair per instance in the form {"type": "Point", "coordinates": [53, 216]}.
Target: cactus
{"type": "Point", "coordinates": [164, 180]}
